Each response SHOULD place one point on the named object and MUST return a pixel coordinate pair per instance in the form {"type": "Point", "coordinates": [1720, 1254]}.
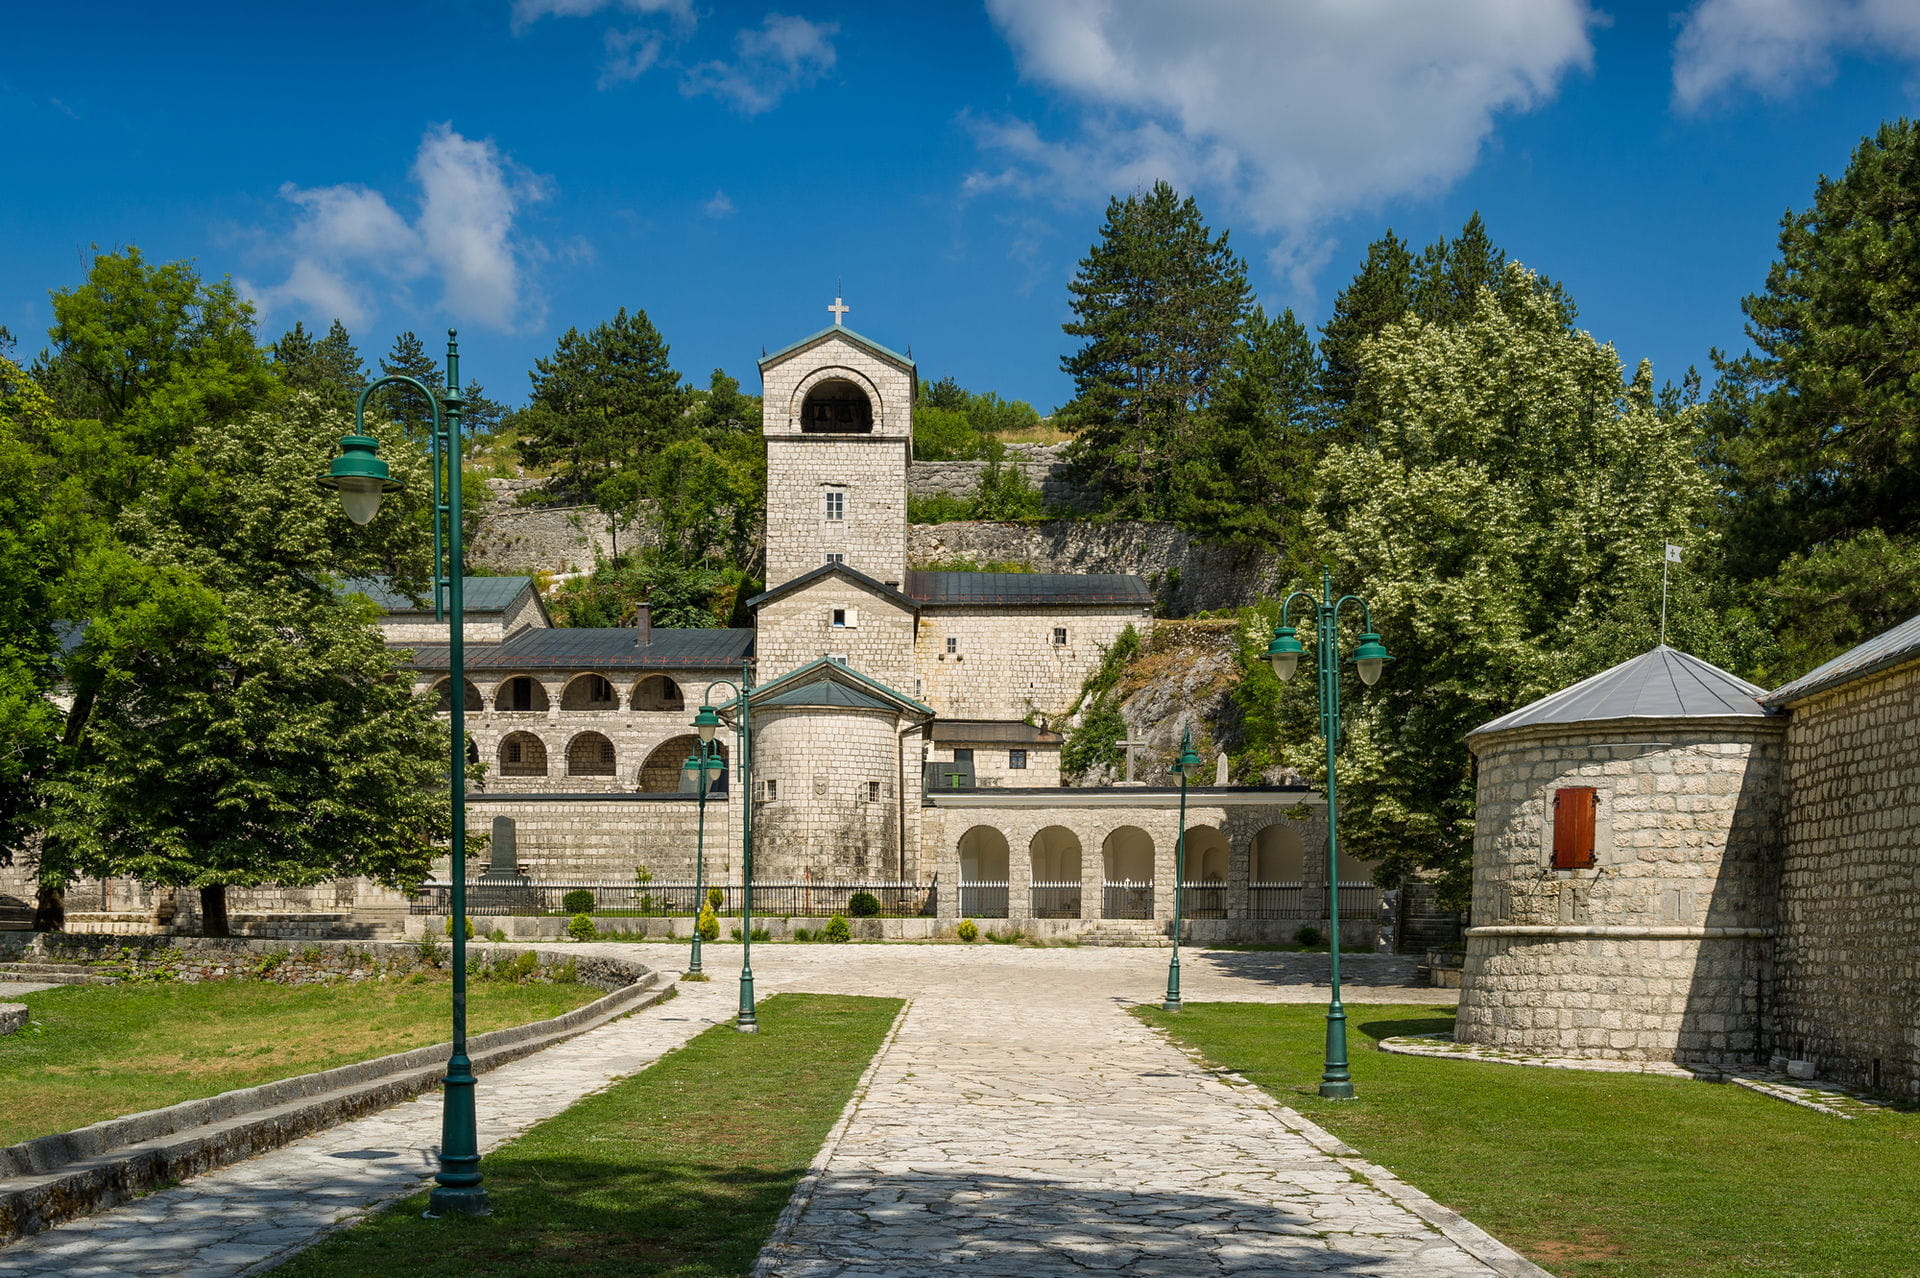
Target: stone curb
{"type": "Point", "coordinates": [13, 1016]}
{"type": "Point", "coordinates": [772, 1252]}
{"type": "Point", "coordinates": [69, 1174]}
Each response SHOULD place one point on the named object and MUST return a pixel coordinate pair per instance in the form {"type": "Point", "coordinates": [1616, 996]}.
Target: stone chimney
{"type": "Point", "coordinates": [643, 625]}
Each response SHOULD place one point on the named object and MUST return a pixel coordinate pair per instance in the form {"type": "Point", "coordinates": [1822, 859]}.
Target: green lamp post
{"type": "Point", "coordinates": [1187, 762]}
{"type": "Point", "coordinates": [361, 479]}
{"type": "Point", "coordinates": [707, 722]}
{"type": "Point", "coordinates": [1369, 658]}
{"type": "Point", "coordinates": [704, 761]}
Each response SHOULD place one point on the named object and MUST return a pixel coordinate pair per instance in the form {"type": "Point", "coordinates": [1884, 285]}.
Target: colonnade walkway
{"type": "Point", "coordinates": [1019, 1122]}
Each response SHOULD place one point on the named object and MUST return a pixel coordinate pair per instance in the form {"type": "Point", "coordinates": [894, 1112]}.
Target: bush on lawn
{"type": "Point", "coordinates": [837, 929]}
{"type": "Point", "coordinates": [581, 928]}
{"type": "Point", "coordinates": [863, 905]}
{"type": "Point", "coordinates": [578, 901]}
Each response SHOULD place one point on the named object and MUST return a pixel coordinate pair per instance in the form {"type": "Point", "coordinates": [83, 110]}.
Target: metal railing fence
{"type": "Point", "coordinates": [548, 896]}
{"type": "Point", "coordinates": [1055, 900]}
{"type": "Point", "coordinates": [1127, 899]}
{"type": "Point", "coordinates": [1298, 901]}
{"type": "Point", "coordinates": [983, 899]}
{"type": "Point", "coordinates": [1203, 900]}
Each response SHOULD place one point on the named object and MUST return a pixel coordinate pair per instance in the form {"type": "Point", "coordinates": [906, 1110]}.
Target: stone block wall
{"type": "Point", "coordinates": [1658, 951]}
{"type": "Point", "coordinates": [838, 806]}
{"type": "Point", "coordinates": [798, 627]}
{"type": "Point", "coordinates": [991, 765]}
{"type": "Point", "coordinates": [607, 837]}
{"type": "Point", "coordinates": [1044, 465]}
{"type": "Point", "coordinates": [1848, 954]}
{"type": "Point", "coordinates": [1006, 665]}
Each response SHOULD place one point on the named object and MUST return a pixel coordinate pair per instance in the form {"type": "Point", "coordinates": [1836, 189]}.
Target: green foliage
{"type": "Point", "coordinates": [1004, 491]}
{"type": "Point", "coordinates": [968, 931]}
{"type": "Point", "coordinates": [801, 934]}
{"type": "Point", "coordinates": [681, 597]}
{"type": "Point", "coordinates": [578, 901]}
{"type": "Point", "coordinates": [329, 367]}
{"type": "Point", "coordinates": [580, 927]}
{"type": "Point", "coordinates": [1308, 936]}
{"type": "Point", "coordinates": [708, 924]}
{"type": "Point", "coordinates": [940, 508]}
{"type": "Point", "coordinates": [953, 424]}
{"type": "Point", "coordinates": [961, 563]}
{"type": "Point", "coordinates": [1159, 301]}
{"type": "Point", "coordinates": [604, 400]}
{"type": "Point", "coordinates": [863, 905]}
{"type": "Point", "coordinates": [1504, 516]}
{"type": "Point", "coordinates": [1093, 740]}
{"type": "Point", "coordinates": [466, 926]}
{"type": "Point", "coordinates": [1817, 431]}
{"type": "Point", "coordinates": [716, 897]}
{"type": "Point", "coordinates": [837, 929]}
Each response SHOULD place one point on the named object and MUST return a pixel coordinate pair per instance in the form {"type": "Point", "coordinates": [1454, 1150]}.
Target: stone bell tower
{"type": "Point", "coordinates": [838, 419]}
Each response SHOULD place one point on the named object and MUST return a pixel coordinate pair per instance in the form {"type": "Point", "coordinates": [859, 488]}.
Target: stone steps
{"type": "Point", "coordinates": [1137, 933]}
{"type": "Point", "coordinates": [57, 973]}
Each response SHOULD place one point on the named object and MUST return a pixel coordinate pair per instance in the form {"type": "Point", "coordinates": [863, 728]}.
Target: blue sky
{"type": "Point", "coordinates": [517, 167]}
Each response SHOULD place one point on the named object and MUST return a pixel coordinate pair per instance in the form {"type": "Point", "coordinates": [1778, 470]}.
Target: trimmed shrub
{"type": "Point", "coordinates": [468, 929]}
{"type": "Point", "coordinates": [801, 934]}
{"type": "Point", "coordinates": [716, 897]}
{"type": "Point", "coordinates": [709, 925]}
{"type": "Point", "coordinates": [578, 901]}
{"type": "Point", "coordinates": [836, 929]}
{"type": "Point", "coordinates": [1308, 935]}
{"type": "Point", "coordinates": [581, 928]}
{"type": "Point", "coordinates": [863, 905]}
{"type": "Point", "coordinates": [968, 931]}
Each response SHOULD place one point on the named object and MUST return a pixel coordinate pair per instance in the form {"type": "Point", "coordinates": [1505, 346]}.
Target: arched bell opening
{"type": "Point", "coordinates": [836, 406]}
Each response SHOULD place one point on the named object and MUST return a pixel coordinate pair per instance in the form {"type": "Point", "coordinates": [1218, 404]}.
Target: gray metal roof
{"type": "Point", "coordinates": [1035, 589]}
{"type": "Point", "coordinates": [996, 731]}
{"type": "Point", "coordinates": [837, 330]}
{"type": "Point", "coordinates": [1663, 684]}
{"type": "Point", "coordinates": [480, 594]}
{"type": "Point", "coordinates": [826, 692]}
{"type": "Point", "coordinates": [611, 648]}
{"type": "Point", "coordinates": [1892, 648]}
{"type": "Point", "coordinates": [834, 570]}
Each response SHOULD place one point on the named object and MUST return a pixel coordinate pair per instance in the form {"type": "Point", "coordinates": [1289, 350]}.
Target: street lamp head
{"type": "Point", "coordinates": [1369, 658]}
{"type": "Point", "coordinates": [1189, 760]}
{"type": "Point", "coordinates": [707, 722]}
{"type": "Point", "coordinates": [360, 477]}
{"type": "Point", "coordinates": [1283, 654]}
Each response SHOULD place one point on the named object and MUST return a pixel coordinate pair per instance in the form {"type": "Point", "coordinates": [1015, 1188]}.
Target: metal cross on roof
{"type": "Point", "coordinates": [839, 310]}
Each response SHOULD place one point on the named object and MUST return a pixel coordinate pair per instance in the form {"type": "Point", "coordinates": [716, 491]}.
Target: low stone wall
{"type": "Point", "coordinates": [1044, 465]}
{"type": "Point", "coordinates": [1358, 935]}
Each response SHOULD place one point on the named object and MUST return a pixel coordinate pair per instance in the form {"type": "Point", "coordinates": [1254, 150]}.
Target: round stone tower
{"type": "Point", "coordinates": [1624, 861]}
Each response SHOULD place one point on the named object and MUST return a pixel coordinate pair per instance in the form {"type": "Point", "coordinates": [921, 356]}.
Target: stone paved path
{"type": "Point", "coordinates": [1021, 1121]}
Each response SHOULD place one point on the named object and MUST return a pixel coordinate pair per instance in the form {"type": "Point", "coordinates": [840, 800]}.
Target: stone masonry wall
{"type": "Point", "coordinates": [609, 837]}
{"type": "Point", "coordinates": [798, 627]}
{"type": "Point", "coordinates": [1849, 947]}
{"type": "Point", "coordinates": [826, 820]}
{"type": "Point", "coordinates": [1044, 465]}
{"type": "Point", "coordinates": [1658, 951]}
{"type": "Point", "coordinates": [1007, 665]}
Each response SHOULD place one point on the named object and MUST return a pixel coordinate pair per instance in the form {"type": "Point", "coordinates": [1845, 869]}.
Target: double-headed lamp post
{"type": "Point", "coordinates": [361, 479]}
{"type": "Point", "coordinates": [1369, 658]}
{"type": "Point", "coordinates": [707, 722]}
{"type": "Point", "coordinates": [1187, 762]}
{"type": "Point", "coordinates": [698, 765]}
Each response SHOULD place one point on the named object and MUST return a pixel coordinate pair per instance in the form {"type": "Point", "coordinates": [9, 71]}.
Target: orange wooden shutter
{"type": "Point", "coordinates": [1574, 808]}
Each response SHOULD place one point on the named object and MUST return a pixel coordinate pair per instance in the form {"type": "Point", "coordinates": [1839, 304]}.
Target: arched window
{"type": "Point", "coordinates": [443, 697]}
{"type": "Point", "coordinates": [590, 755]}
{"type": "Point", "coordinates": [836, 406]}
{"type": "Point", "coordinates": [1206, 855]}
{"type": "Point", "coordinates": [657, 692]}
{"type": "Point", "coordinates": [521, 693]}
{"type": "Point", "coordinates": [1128, 855]}
{"type": "Point", "coordinates": [1278, 855]}
{"type": "Point", "coordinates": [590, 692]}
{"type": "Point", "coordinates": [523, 755]}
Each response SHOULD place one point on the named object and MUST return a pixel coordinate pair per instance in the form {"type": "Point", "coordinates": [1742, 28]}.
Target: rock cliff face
{"type": "Point", "coordinates": [1187, 576]}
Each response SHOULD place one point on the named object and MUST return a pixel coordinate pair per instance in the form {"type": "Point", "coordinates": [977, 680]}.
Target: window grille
{"type": "Point", "coordinates": [873, 792]}
{"type": "Point", "coordinates": [1016, 759]}
{"type": "Point", "coordinates": [953, 643]}
{"type": "Point", "coordinates": [1059, 636]}
{"type": "Point", "coordinates": [833, 557]}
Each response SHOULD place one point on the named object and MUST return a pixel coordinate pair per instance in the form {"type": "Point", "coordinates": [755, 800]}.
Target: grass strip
{"type": "Point", "coordinates": [96, 1052]}
{"type": "Point", "coordinates": [1590, 1174]}
{"type": "Point", "coordinates": [680, 1170]}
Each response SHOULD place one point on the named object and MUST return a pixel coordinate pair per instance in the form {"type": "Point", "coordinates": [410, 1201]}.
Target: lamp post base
{"type": "Point", "coordinates": [1337, 1091]}
{"type": "Point", "coordinates": [459, 1201]}
{"type": "Point", "coordinates": [1170, 1005]}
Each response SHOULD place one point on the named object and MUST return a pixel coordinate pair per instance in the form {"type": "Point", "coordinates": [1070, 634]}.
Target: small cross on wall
{"type": "Point", "coordinates": [839, 309]}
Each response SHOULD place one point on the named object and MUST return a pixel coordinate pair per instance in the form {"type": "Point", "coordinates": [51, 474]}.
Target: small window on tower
{"type": "Point", "coordinates": [953, 643]}
{"type": "Point", "coordinates": [1059, 636]}
{"type": "Point", "coordinates": [836, 505]}
{"type": "Point", "coordinates": [873, 792]}
{"type": "Point", "coordinates": [834, 558]}
{"type": "Point", "coordinates": [769, 790]}
{"type": "Point", "coordinates": [840, 617]}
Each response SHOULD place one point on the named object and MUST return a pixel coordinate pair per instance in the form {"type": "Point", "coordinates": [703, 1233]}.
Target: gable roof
{"type": "Point", "coordinates": [812, 575]}
{"type": "Point", "coordinates": [478, 594]}
{"type": "Point", "coordinates": [1891, 648]}
{"type": "Point", "coordinates": [826, 682]}
{"type": "Point", "coordinates": [904, 362]}
{"type": "Point", "coordinates": [1034, 589]}
{"type": "Point", "coordinates": [1663, 684]}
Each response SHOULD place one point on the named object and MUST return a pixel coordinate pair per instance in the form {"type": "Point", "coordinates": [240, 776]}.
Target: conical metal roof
{"type": "Point", "coordinates": [1663, 684]}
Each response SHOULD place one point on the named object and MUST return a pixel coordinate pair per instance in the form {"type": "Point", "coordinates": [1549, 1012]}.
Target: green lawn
{"type": "Point", "coordinates": [98, 1051]}
{"type": "Point", "coordinates": [1627, 1176]}
{"type": "Point", "coordinates": [680, 1170]}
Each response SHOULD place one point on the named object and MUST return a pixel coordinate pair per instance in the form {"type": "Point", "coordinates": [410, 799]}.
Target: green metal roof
{"type": "Point", "coordinates": [842, 330]}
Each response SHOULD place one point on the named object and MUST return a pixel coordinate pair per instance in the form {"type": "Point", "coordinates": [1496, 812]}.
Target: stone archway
{"type": "Point", "coordinates": [1203, 894]}
{"type": "Point", "coordinates": [591, 755]}
{"type": "Point", "coordinates": [666, 763]}
{"type": "Point", "coordinates": [522, 693]}
{"type": "Point", "coordinates": [1055, 856]}
{"type": "Point", "coordinates": [442, 694]}
{"type": "Point", "coordinates": [985, 862]}
{"type": "Point", "coordinates": [522, 755]}
{"type": "Point", "coordinates": [836, 405]}
{"type": "Point", "coordinates": [1277, 868]}
{"type": "Point", "coordinates": [658, 692]}
{"type": "Point", "coordinates": [1127, 859]}
{"type": "Point", "coordinates": [589, 692]}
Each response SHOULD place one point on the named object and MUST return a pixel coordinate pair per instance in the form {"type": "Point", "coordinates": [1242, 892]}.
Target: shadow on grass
{"type": "Point", "coordinates": [1377, 1030]}
{"type": "Point", "coordinates": [1281, 968]}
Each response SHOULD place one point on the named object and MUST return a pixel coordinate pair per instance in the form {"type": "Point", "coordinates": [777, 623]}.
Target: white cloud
{"type": "Point", "coordinates": [1776, 46]}
{"type": "Point", "coordinates": [528, 12]}
{"type": "Point", "coordinates": [630, 55]}
{"type": "Point", "coordinates": [350, 249]}
{"type": "Point", "coordinates": [782, 54]}
{"type": "Point", "coordinates": [1293, 112]}
{"type": "Point", "coordinates": [721, 205]}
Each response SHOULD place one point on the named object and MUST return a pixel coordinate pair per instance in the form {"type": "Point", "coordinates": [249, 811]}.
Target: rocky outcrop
{"type": "Point", "coordinates": [1187, 576]}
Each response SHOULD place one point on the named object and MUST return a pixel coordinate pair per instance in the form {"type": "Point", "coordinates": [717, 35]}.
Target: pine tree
{"type": "Point", "coordinates": [339, 360]}
{"type": "Point", "coordinates": [403, 406]}
{"type": "Point", "coordinates": [1818, 429]}
{"type": "Point", "coordinates": [1159, 301]}
{"type": "Point", "coordinates": [330, 366]}
{"type": "Point", "coordinates": [1379, 295]}
{"type": "Point", "coordinates": [604, 401]}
